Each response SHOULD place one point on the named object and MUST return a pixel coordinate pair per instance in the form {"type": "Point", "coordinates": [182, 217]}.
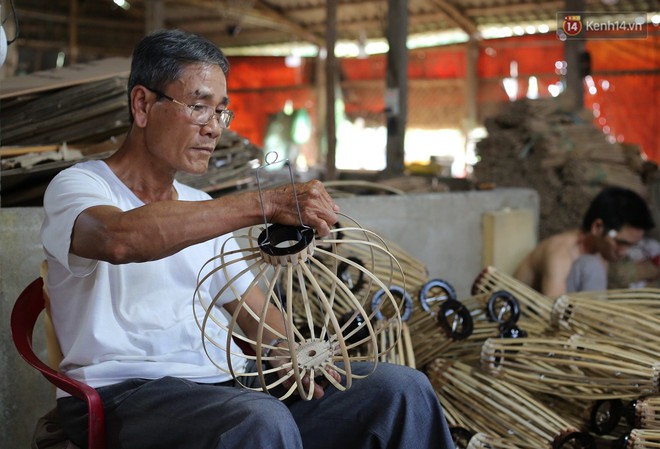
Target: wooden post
{"type": "Point", "coordinates": [396, 92]}
{"type": "Point", "coordinates": [330, 85]}
{"type": "Point", "coordinates": [321, 109]}
{"type": "Point", "coordinates": [573, 97]}
{"type": "Point", "coordinates": [471, 89]}
{"type": "Point", "coordinates": [73, 31]}
{"type": "Point", "coordinates": [154, 17]}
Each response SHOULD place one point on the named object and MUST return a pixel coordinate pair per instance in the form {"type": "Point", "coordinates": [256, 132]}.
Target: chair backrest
{"type": "Point", "coordinates": [26, 311]}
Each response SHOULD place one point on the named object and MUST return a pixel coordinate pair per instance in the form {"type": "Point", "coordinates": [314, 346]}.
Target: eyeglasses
{"type": "Point", "coordinates": [201, 114]}
{"type": "Point", "coordinates": [619, 242]}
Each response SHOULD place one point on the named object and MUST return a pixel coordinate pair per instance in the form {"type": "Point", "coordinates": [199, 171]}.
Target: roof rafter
{"type": "Point", "coordinates": [459, 17]}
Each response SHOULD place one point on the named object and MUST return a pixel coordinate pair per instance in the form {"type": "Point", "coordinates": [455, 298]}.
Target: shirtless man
{"type": "Point", "coordinates": [577, 260]}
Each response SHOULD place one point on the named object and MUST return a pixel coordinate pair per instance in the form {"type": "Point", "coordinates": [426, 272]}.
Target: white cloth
{"type": "Point", "coordinates": [116, 322]}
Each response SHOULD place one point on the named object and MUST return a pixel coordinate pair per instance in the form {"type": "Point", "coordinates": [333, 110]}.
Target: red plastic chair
{"type": "Point", "coordinates": [28, 307]}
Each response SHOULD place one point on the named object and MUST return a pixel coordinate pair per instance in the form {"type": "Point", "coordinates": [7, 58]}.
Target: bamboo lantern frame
{"type": "Point", "coordinates": [644, 297]}
{"type": "Point", "coordinates": [434, 332]}
{"type": "Point", "coordinates": [575, 367]}
{"type": "Point", "coordinates": [643, 439]}
{"type": "Point", "coordinates": [313, 351]}
{"type": "Point", "coordinates": [490, 406]}
{"type": "Point", "coordinates": [534, 306]}
{"type": "Point", "coordinates": [620, 320]}
{"type": "Point", "coordinates": [492, 314]}
{"type": "Point", "coordinates": [647, 413]}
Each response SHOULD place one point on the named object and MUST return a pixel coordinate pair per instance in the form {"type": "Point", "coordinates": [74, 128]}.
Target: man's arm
{"type": "Point", "coordinates": [554, 274]}
{"type": "Point", "coordinates": [162, 228]}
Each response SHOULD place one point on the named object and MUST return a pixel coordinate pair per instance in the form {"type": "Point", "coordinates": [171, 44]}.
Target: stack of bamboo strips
{"type": "Point", "coordinates": [85, 113]}
{"type": "Point", "coordinates": [566, 159]}
{"type": "Point", "coordinates": [92, 118]}
{"type": "Point", "coordinates": [231, 165]}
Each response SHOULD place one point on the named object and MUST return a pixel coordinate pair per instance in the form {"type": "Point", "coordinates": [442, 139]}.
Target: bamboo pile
{"type": "Point", "coordinates": [580, 356]}
{"type": "Point", "coordinates": [85, 111]}
{"type": "Point", "coordinates": [82, 114]}
{"type": "Point", "coordinates": [231, 165]}
{"type": "Point", "coordinates": [508, 416]}
{"type": "Point", "coordinates": [562, 155]}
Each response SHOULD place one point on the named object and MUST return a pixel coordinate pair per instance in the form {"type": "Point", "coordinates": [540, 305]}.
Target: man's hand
{"type": "Point", "coordinates": [317, 208]}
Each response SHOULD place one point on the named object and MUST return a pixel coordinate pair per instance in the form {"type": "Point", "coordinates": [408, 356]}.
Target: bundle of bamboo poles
{"type": "Point", "coordinates": [575, 367]}
{"type": "Point", "coordinates": [495, 407]}
{"type": "Point", "coordinates": [558, 153]}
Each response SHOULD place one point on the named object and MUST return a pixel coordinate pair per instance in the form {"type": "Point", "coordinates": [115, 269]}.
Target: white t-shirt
{"type": "Point", "coordinates": [116, 322]}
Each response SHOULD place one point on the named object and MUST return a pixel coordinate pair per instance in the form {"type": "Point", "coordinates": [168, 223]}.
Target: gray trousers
{"type": "Point", "coordinates": [395, 407]}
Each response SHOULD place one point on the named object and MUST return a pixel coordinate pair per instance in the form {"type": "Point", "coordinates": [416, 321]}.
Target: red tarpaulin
{"type": "Point", "coordinates": [625, 91]}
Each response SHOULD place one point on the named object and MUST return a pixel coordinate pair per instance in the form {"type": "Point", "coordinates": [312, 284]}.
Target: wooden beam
{"type": "Point", "coordinates": [154, 16]}
{"type": "Point", "coordinates": [331, 79]}
{"type": "Point", "coordinates": [524, 8]}
{"type": "Point", "coordinates": [25, 14]}
{"type": "Point", "coordinates": [518, 8]}
{"type": "Point", "coordinates": [459, 17]}
{"type": "Point", "coordinates": [396, 82]}
{"type": "Point", "coordinates": [264, 14]}
{"type": "Point", "coordinates": [73, 31]}
{"type": "Point", "coordinates": [573, 96]}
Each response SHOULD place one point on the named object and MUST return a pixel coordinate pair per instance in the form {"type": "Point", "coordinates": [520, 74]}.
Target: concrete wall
{"type": "Point", "coordinates": [24, 394]}
{"type": "Point", "coordinates": [442, 230]}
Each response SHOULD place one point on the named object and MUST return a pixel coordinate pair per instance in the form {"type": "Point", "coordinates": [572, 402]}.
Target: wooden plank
{"type": "Point", "coordinates": [64, 77]}
{"type": "Point", "coordinates": [19, 151]}
{"type": "Point", "coordinates": [508, 235]}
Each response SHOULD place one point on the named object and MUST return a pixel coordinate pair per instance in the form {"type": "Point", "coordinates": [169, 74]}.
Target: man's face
{"type": "Point", "coordinates": [616, 243]}
{"type": "Point", "coordinates": [171, 135]}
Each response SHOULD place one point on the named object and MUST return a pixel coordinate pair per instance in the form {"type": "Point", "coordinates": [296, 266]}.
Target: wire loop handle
{"type": "Point", "coordinates": [268, 160]}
